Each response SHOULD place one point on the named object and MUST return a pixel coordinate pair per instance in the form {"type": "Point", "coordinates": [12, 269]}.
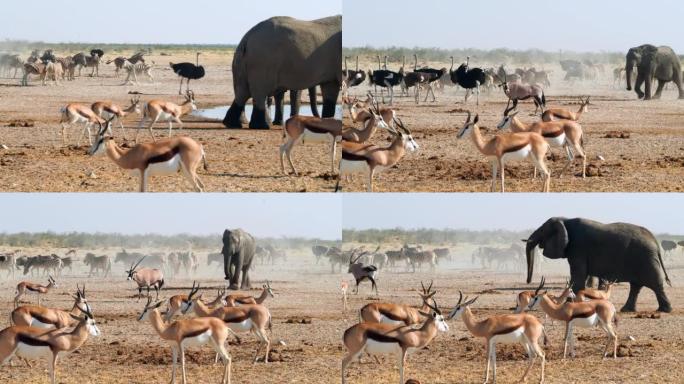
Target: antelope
{"type": "Point", "coordinates": [189, 333]}
{"type": "Point", "coordinates": [587, 314]}
{"type": "Point", "coordinates": [362, 272]}
{"type": "Point", "coordinates": [370, 125]}
{"type": "Point", "coordinates": [155, 110]}
{"type": "Point", "coordinates": [513, 146]}
{"type": "Point", "coordinates": [369, 158]}
{"type": "Point", "coordinates": [523, 298]}
{"type": "Point", "coordinates": [595, 294]}
{"type": "Point", "coordinates": [108, 110]}
{"type": "Point", "coordinates": [561, 133]}
{"type": "Point", "coordinates": [519, 91]}
{"type": "Point", "coordinates": [388, 114]}
{"type": "Point", "coordinates": [254, 318]}
{"type": "Point", "coordinates": [310, 129]}
{"type": "Point", "coordinates": [552, 114]}
{"type": "Point", "coordinates": [235, 300]}
{"type": "Point", "coordinates": [180, 303]}
{"type": "Point", "coordinates": [74, 113]}
{"type": "Point", "coordinates": [344, 288]}
{"type": "Point", "coordinates": [41, 317]}
{"type": "Point", "coordinates": [26, 287]}
{"type": "Point", "coordinates": [381, 338]}
{"type": "Point", "coordinates": [146, 278]}
{"type": "Point", "coordinates": [163, 157]}
{"type": "Point", "coordinates": [520, 328]}
{"type": "Point", "coordinates": [33, 342]}
{"type": "Point", "coordinates": [397, 314]}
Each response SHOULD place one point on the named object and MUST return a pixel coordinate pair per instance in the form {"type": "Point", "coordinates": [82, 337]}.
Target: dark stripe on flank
{"type": "Point", "coordinates": [315, 129]}
{"type": "Point", "coordinates": [553, 134]}
{"type": "Point", "coordinates": [390, 316]}
{"type": "Point", "coordinates": [28, 340]}
{"type": "Point", "coordinates": [352, 156]}
{"type": "Point", "coordinates": [515, 149]}
{"type": "Point", "coordinates": [196, 333]}
{"type": "Point", "coordinates": [32, 289]}
{"type": "Point", "coordinates": [583, 315]}
{"type": "Point", "coordinates": [504, 331]}
{"type": "Point", "coordinates": [166, 156]}
{"type": "Point", "coordinates": [41, 318]}
{"type": "Point", "coordinates": [379, 337]}
{"type": "Point", "coordinates": [237, 318]}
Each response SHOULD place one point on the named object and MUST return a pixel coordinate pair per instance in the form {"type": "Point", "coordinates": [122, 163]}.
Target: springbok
{"type": "Point", "coordinates": [586, 314]}
{"type": "Point", "coordinates": [595, 294]}
{"type": "Point", "coordinates": [146, 278]}
{"type": "Point", "coordinates": [397, 314]}
{"type": "Point", "coordinates": [309, 129]}
{"type": "Point", "coordinates": [33, 342]}
{"type": "Point", "coordinates": [509, 146]}
{"type": "Point", "coordinates": [520, 328]}
{"type": "Point", "coordinates": [156, 110]}
{"type": "Point", "coordinates": [382, 338]}
{"type": "Point", "coordinates": [369, 158]}
{"type": "Point", "coordinates": [524, 297]}
{"type": "Point", "coordinates": [28, 287]}
{"type": "Point", "coordinates": [185, 333]}
{"type": "Point", "coordinates": [163, 157]}
{"type": "Point", "coordinates": [237, 299]}
{"type": "Point", "coordinates": [108, 110]}
{"type": "Point", "coordinates": [74, 113]}
{"type": "Point", "coordinates": [552, 114]}
{"type": "Point", "coordinates": [180, 303]}
{"type": "Point", "coordinates": [41, 317]}
{"type": "Point", "coordinates": [253, 318]}
{"type": "Point", "coordinates": [558, 133]}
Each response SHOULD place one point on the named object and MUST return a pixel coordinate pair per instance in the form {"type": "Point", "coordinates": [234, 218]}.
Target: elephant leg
{"type": "Point", "coordinates": [238, 270]}
{"type": "Point", "coordinates": [295, 102]}
{"type": "Point", "coordinates": [330, 93]}
{"type": "Point", "coordinates": [578, 274]}
{"type": "Point", "coordinates": [663, 302]}
{"type": "Point", "coordinates": [637, 85]}
{"type": "Point", "coordinates": [313, 102]}
{"type": "Point", "coordinates": [659, 90]}
{"type": "Point", "coordinates": [235, 114]}
{"type": "Point", "coordinates": [245, 279]}
{"type": "Point", "coordinates": [630, 305]}
{"type": "Point", "coordinates": [279, 102]}
{"type": "Point", "coordinates": [648, 82]}
{"type": "Point", "coordinates": [259, 119]}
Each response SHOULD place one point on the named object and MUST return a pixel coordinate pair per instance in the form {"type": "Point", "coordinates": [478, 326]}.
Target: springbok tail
{"type": "Point", "coordinates": [204, 159]}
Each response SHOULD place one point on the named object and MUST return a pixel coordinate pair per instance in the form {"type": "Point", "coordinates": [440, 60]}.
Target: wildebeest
{"type": "Point", "coordinates": [319, 251]}
{"type": "Point", "coordinates": [668, 245]}
{"type": "Point", "coordinates": [98, 264]}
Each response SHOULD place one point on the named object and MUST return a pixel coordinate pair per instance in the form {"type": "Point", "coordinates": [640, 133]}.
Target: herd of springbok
{"type": "Point", "coordinates": [39, 332]}
{"type": "Point", "coordinates": [387, 328]}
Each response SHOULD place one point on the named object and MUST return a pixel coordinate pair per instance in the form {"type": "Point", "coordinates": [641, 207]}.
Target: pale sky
{"type": "Point", "coordinates": [514, 211]}
{"type": "Point", "coordinates": [149, 21]}
{"type": "Point", "coordinates": [577, 25]}
{"type": "Point", "coordinates": [263, 215]}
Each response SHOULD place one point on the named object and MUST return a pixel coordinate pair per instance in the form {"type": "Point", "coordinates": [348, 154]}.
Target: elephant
{"type": "Point", "coordinates": [282, 53]}
{"type": "Point", "coordinates": [238, 253]}
{"type": "Point", "coordinates": [615, 251]}
{"type": "Point", "coordinates": [652, 62]}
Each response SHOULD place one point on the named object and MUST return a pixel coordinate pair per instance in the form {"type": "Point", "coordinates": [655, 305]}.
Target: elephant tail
{"type": "Point", "coordinates": [662, 265]}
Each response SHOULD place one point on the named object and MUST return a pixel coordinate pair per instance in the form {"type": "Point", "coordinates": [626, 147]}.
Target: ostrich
{"type": "Point", "coordinates": [188, 71]}
{"type": "Point", "coordinates": [387, 79]}
{"type": "Point", "coordinates": [467, 78]}
{"type": "Point", "coordinates": [353, 77]}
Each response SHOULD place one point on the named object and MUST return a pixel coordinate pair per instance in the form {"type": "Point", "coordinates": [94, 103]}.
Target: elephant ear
{"type": "Point", "coordinates": [556, 240]}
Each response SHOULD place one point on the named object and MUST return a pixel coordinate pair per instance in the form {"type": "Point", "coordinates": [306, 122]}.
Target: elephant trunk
{"type": "Point", "coordinates": [629, 68]}
{"type": "Point", "coordinates": [529, 251]}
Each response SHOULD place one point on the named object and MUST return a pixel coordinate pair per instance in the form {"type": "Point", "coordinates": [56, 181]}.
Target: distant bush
{"type": "Point", "coordinates": [21, 46]}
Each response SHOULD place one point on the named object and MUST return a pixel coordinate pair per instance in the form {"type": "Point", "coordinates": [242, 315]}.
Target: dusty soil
{"type": "Point", "coordinates": [130, 352]}
{"type": "Point", "coordinates": [641, 143]}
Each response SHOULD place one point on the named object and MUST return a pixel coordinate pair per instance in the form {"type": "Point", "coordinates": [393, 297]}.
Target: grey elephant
{"type": "Point", "coordinates": [660, 63]}
{"type": "Point", "coordinates": [295, 103]}
{"type": "Point", "coordinates": [616, 251]}
{"type": "Point", "coordinates": [238, 254]}
{"type": "Point", "coordinates": [282, 53]}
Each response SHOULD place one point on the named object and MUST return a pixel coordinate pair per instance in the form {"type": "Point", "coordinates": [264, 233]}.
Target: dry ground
{"type": "Point", "coordinates": [651, 159]}
{"type": "Point", "coordinates": [130, 352]}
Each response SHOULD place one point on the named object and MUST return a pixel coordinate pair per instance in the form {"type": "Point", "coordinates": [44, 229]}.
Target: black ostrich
{"type": "Point", "coordinates": [353, 77]}
{"type": "Point", "coordinates": [96, 52]}
{"type": "Point", "coordinates": [434, 75]}
{"type": "Point", "coordinates": [188, 71]}
{"type": "Point", "coordinates": [386, 79]}
{"type": "Point", "coordinates": [467, 78]}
